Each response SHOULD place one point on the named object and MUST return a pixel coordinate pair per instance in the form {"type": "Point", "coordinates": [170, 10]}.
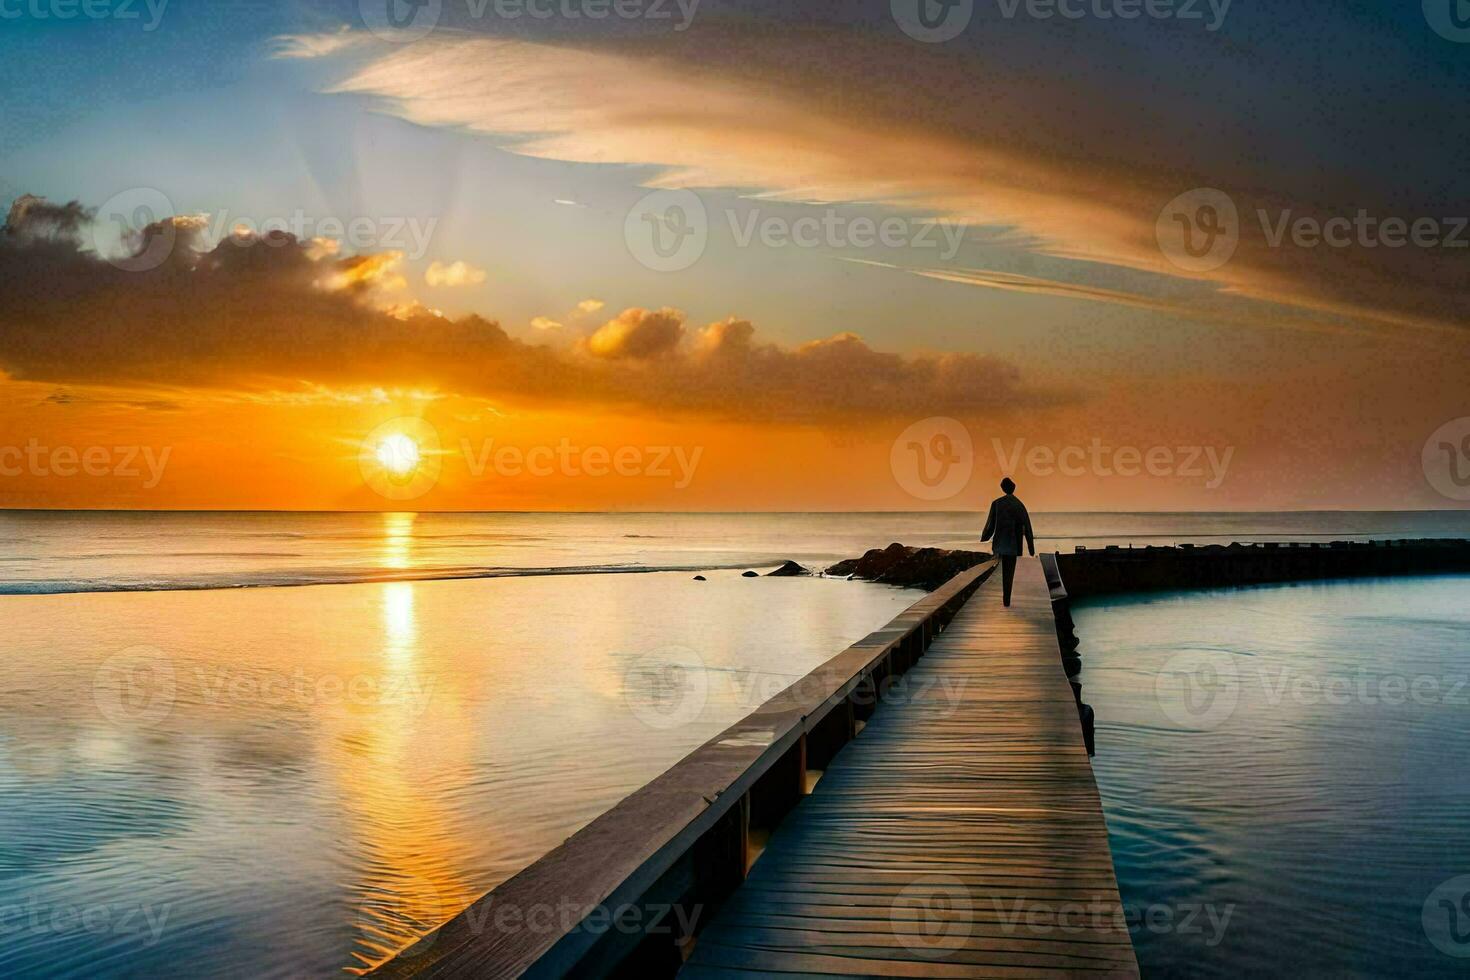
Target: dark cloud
{"type": "Point", "coordinates": [1075, 131]}
{"type": "Point", "coordinates": [265, 312]}
{"type": "Point", "coordinates": [65, 397]}
{"type": "Point", "coordinates": [34, 218]}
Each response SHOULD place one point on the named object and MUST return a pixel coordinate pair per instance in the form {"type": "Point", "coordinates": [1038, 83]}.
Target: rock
{"type": "Point", "coordinates": [700, 578]}
{"type": "Point", "coordinates": [788, 569]}
{"type": "Point", "coordinates": [873, 563]}
{"type": "Point", "coordinates": [749, 575]}
{"type": "Point", "coordinates": [923, 568]}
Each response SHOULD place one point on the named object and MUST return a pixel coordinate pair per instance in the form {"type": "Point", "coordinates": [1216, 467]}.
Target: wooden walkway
{"type": "Point", "coordinates": [960, 835]}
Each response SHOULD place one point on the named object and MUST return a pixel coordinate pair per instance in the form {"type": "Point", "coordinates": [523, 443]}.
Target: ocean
{"type": "Point", "coordinates": [1281, 768]}
{"type": "Point", "coordinates": [47, 552]}
{"type": "Point", "coordinates": [283, 745]}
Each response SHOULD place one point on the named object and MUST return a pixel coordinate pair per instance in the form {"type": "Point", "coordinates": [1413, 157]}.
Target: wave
{"type": "Point", "coordinates": [286, 578]}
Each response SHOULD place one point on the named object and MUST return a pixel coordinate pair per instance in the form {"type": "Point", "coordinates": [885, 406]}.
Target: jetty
{"type": "Point", "coordinates": [1102, 571]}
{"type": "Point", "coordinates": [920, 805]}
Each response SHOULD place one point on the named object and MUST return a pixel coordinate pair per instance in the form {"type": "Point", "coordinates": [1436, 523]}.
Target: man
{"type": "Point", "coordinates": [1007, 524]}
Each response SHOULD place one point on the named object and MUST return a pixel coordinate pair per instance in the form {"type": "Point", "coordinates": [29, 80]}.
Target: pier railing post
{"type": "Point", "coordinates": [721, 856]}
{"type": "Point", "coordinates": [779, 788]}
{"type": "Point", "coordinates": [828, 736]}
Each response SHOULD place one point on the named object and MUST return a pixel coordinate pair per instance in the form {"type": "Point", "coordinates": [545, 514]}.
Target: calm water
{"type": "Point", "coordinates": [70, 551]}
{"type": "Point", "coordinates": [1284, 774]}
{"type": "Point", "coordinates": [202, 780]}
{"type": "Point", "coordinates": [290, 782]}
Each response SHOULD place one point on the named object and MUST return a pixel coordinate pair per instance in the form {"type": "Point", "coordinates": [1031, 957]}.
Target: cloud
{"type": "Point", "coordinates": [726, 337]}
{"type": "Point", "coordinates": [65, 397]}
{"type": "Point", "coordinates": [33, 218]}
{"type": "Point", "coordinates": [274, 313]}
{"type": "Point", "coordinates": [360, 272]}
{"type": "Point", "coordinates": [1058, 157]}
{"type": "Point", "coordinates": [638, 333]}
{"type": "Point", "coordinates": [453, 274]}
{"type": "Point", "coordinates": [308, 46]}
{"type": "Point", "coordinates": [585, 308]}
{"type": "Point", "coordinates": [1197, 304]}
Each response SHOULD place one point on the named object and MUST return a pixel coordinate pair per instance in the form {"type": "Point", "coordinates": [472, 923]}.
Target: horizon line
{"type": "Point", "coordinates": [978, 509]}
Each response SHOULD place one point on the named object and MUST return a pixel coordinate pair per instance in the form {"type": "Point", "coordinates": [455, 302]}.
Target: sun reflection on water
{"type": "Point", "coordinates": [400, 626]}
{"type": "Point", "coordinates": [398, 540]}
{"type": "Point", "coordinates": [412, 857]}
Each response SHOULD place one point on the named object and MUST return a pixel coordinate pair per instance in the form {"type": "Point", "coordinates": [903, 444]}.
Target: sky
{"type": "Point", "coordinates": [715, 255]}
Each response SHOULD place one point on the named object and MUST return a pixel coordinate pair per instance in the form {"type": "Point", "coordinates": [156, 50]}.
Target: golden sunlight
{"type": "Point", "coordinates": [401, 458]}
{"type": "Point", "coordinates": [398, 454]}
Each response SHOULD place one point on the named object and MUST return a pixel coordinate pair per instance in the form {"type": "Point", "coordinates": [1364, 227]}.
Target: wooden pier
{"type": "Point", "coordinates": [960, 836]}
{"type": "Point", "coordinates": [921, 805]}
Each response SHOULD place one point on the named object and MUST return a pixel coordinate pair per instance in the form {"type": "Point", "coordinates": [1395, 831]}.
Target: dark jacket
{"type": "Point", "coordinates": [1008, 524]}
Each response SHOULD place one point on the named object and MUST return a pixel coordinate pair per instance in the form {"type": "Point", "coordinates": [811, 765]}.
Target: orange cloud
{"type": "Point", "coordinates": [638, 333]}
{"type": "Point", "coordinates": [453, 274]}
{"type": "Point", "coordinates": [276, 313]}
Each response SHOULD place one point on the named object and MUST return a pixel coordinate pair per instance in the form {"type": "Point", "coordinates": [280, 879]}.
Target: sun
{"type": "Point", "coordinates": [398, 454]}
{"type": "Point", "coordinates": [400, 459]}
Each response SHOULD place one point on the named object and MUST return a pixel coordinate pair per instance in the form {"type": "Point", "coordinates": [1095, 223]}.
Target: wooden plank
{"type": "Point", "coordinates": [960, 835]}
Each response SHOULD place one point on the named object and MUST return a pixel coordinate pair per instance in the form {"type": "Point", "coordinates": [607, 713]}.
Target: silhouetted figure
{"type": "Point", "coordinates": [1008, 523]}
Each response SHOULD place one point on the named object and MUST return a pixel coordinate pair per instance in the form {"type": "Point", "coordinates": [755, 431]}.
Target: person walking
{"type": "Point", "coordinates": [1008, 524]}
